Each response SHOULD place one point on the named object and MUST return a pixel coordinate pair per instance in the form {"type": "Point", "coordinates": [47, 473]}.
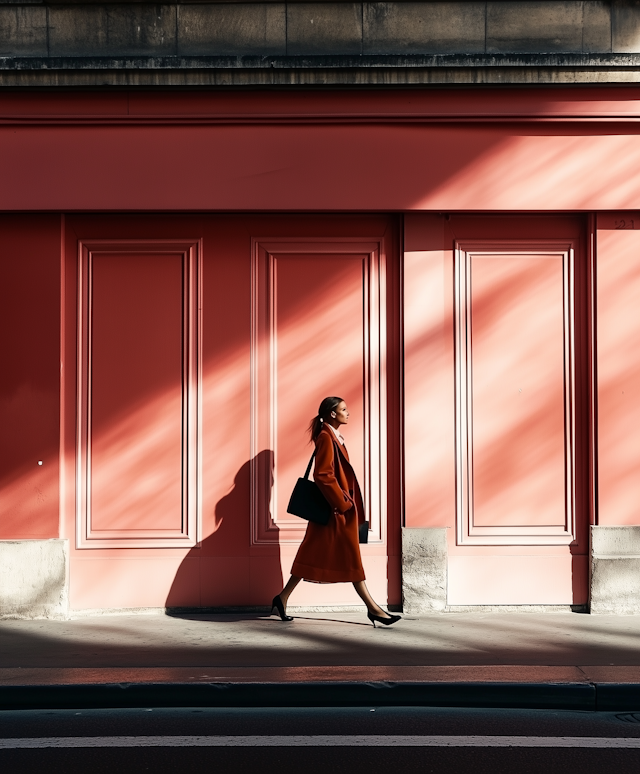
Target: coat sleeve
{"type": "Point", "coordinates": [325, 477]}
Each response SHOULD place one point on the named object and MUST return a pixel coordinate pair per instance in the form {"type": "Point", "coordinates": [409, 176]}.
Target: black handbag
{"type": "Point", "coordinates": [307, 501]}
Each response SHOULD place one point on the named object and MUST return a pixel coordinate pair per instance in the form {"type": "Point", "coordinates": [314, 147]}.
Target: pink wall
{"type": "Point", "coordinates": [618, 337]}
{"type": "Point", "coordinates": [428, 374]}
{"type": "Point", "coordinates": [531, 151]}
{"type": "Point", "coordinates": [29, 375]}
{"type": "Point", "coordinates": [477, 150]}
{"type": "Point", "coordinates": [353, 167]}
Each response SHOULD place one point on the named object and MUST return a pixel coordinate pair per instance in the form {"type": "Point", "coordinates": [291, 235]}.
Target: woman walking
{"type": "Point", "coordinates": [331, 553]}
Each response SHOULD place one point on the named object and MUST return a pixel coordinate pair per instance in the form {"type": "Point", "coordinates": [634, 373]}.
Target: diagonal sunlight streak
{"type": "Point", "coordinates": [618, 375]}
{"type": "Point", "coordinates": [140, 463]}
{"type": "Point", "coordinates": [518, 392]}
{"type": "Point", "coordinates": [553, 166]}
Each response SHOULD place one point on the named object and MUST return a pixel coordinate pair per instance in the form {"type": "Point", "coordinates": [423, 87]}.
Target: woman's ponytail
{"type": "Point", "coordinates": [324, 412]}
{"type": "Point", "coordinates": [315, 426]}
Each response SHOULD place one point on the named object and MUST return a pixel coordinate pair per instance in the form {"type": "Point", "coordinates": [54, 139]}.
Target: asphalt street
{"type": "Point", "coordinates": [365, 739]}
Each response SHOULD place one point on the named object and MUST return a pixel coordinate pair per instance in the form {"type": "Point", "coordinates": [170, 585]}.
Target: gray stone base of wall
{"type": "Point", "coordinates": [34, 579]}
{"type": "Point", "coordinates": [424, 570]}
{"type": "Point", "coordinates": [615, 570]}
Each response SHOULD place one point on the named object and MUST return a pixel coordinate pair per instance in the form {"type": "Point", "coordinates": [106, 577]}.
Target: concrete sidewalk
{"type": "Point", "coordinates": [562, 660]}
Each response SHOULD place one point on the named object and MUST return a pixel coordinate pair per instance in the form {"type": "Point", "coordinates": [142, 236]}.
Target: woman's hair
{"type": "Point", "coordinates": [324, 413]}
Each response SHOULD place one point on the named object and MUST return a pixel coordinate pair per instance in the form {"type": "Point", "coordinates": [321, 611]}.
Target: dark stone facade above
{"type": "Point", "coordinates": [215, 43]}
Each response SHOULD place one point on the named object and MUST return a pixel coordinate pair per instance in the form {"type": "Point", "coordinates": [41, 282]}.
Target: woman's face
{"type": "Point", "coordinates": [340, 414]}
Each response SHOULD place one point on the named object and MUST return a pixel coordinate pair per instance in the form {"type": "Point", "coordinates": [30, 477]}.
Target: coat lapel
{"type": "Point", "coordinates": [342, 450]}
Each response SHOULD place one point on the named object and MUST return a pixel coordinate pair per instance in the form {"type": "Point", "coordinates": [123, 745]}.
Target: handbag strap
{"type": "Point", "coordinates": [308, 470]}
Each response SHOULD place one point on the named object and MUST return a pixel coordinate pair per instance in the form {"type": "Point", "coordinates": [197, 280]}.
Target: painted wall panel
{"type": "Point", "coordinates": [353, 167]}
{"type": "Point", "coordinates": [513, 580]}
{"type": "Point", "coordinates": [517, 327]}
{"type": "Point", "coordinates": [618, 333]}
{"type": "Point", "coordinates": [136, 351]}
{"type": "Point", "coordinates": [318, 328]}
{"type": "Point", "coordinates": [320, 345]}
{"type": "Point", "coordinates": [138, 393]}
{"type": "Point", "coordinates": [29, 375]}
{"type": "Point", "coordinates": [135, 579]}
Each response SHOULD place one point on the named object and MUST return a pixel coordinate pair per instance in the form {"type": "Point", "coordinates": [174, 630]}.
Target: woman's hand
{"type": "Point", "coordinates": [350, 500]}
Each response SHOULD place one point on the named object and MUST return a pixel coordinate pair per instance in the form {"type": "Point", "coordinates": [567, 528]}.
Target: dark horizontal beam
{"type": "Point", "coordinates": [315, 62]}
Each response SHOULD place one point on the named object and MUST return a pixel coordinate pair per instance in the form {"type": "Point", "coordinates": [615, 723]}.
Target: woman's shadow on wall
{"type": "Point", "coordinates": [227, 573]}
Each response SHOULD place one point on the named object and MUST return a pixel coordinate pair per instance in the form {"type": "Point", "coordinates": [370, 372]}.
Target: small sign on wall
{"type": "Point", "coordinates": [619, 221]}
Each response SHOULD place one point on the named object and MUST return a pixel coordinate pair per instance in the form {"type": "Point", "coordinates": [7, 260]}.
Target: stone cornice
{"type": "Point", "coordinates": [322, 70]}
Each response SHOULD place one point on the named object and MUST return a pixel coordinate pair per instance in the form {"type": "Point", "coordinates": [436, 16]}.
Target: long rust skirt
{"type": "Point", "coordinates": [331, 553]}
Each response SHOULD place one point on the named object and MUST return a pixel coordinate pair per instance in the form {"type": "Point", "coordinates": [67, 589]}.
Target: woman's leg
{"type": "Point", "coordinates": [286, 591]}
{"type": "Point", "coordinates": [365, 596]}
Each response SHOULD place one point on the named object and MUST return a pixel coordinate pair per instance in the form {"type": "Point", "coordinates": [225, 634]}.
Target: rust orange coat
{"type": "Point", "coordinates": [331, 553]}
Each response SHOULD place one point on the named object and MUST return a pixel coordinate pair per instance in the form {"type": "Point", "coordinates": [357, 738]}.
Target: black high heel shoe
{"type": "Point", "coordinates": [277, 605]}
{"type": "Point", "coordinates": [380, 619]}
